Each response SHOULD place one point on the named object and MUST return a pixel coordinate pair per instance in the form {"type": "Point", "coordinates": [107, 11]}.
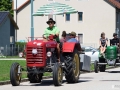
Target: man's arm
{"type": "Point", "coordinates": [57, 31]}
{"type": "Point", "coordinates": [100, 42]}
{"type": "Point", "coordinates": [45, 35]}
{"type": "Point", "coordinates": [118, 41]}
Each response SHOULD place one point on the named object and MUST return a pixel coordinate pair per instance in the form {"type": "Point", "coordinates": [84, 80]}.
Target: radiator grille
{"type": "Point", "coordinates": [31, 59]}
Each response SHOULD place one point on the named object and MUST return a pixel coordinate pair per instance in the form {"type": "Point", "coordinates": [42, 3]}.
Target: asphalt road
{"type": "Point", "coordinates": [90, 81]}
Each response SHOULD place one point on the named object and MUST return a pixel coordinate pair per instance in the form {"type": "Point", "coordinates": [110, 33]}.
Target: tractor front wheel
{"type": "Point", "coordinates": [72, 67]}
{"type": "Point", "coordinates": [57, 74]}
{"type": "Point", "coordinates": [15, 74]}
{"type": "Point", "coordinates": [102, 68]}
{"type": "Point", "coordinates": [96, 66]}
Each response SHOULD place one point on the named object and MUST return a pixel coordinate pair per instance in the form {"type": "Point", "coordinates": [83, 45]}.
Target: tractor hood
{"type": "Point", "coordinates": [35, 43]}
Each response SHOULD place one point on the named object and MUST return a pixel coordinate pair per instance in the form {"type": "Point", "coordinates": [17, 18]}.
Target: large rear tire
{"type": "Point", "coordinates": [57, 74]}
{"type": "Point", "coordinates": [15, 77]}
{"type": "Point", "coordinates": [72, 67]}
{"type": "Point", "coordinates": [34, 78]}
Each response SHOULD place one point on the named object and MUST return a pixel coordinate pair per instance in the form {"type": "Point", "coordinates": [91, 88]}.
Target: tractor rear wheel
{"type": "Point", "coordinates": [57, 74]}
{"type": "Point", "coordinates": [15, 77]}
{"type": "Point", "coordinates": [34, 78]}
{"type": "Point", "coordinates": [72, 67]}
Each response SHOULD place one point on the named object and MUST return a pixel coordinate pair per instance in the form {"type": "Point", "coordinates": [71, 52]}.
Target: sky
{"type": "Point", "coordinates": [19, 3]}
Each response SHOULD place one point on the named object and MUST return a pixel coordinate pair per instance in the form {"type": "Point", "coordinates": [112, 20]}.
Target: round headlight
{"type": "Point", "coordinates": [34, 51]}
{"type": "Point", "coordinates": [49, 54]}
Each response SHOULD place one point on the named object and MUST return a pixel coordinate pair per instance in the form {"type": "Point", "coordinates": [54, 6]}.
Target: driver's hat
{"type": "Point", "coordinates": [73, 33]}
{"type": "Point", "coordinates": [50, 20]}
{"type": "Point", "coordinates": [114, 34]}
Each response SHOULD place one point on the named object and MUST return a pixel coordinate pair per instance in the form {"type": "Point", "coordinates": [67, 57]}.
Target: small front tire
{"type": "Point", "coordinates": [15, 77]}
{"type": "Point", "coordinates": [57, 74]}
{"type": "Point", "coordinates": [96, 66]}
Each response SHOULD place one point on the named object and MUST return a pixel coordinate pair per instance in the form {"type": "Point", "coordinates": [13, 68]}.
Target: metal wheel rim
{"type": "Point", "coordinates": [76, 64]}
{"type": "Point", "coordinates": [18, 76]}
{"type": "Point", "coordinates": [59, 74]}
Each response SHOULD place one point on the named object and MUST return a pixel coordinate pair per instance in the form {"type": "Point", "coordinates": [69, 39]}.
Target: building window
{"type": "Point", "coordinates": [11, 40]}
{"type": "Point", "coordinates": [50, 16]}
{"type": "Point", "coordinates": [117, 17]}
{"type": "Point", "coordinates": [80, 38]}
{"type": "Point", "coordinates": [67, 17]}
{"type": "Point", "coordinates": [80, 16]}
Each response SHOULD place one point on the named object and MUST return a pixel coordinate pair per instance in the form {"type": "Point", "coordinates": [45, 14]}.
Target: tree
{"type": "Point", "coordinates": [6, 5]}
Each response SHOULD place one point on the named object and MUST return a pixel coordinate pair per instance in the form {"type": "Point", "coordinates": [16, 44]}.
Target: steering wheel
{"type": "Point", "coordinates": [54, 36]}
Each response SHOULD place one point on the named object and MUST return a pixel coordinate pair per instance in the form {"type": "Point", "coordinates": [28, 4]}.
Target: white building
{"type": "Point", "coordinates": [93, 17]}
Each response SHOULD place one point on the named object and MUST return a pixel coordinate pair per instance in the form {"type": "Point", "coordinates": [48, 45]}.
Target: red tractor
{"type": "Point", "coordinates": [41, 56]}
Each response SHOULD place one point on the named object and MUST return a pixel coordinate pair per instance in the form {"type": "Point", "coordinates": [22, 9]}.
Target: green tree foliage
{"type": "Point", "coordinates": [6, 5]}
{"type": "Point", "coordinates": [21, 45]}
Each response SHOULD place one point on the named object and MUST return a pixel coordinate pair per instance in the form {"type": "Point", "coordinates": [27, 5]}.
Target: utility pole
{"type": "Point", "coordinates": [16, 21]}
{"type": "Point", "coordinates": [32, 23]}
{"type": "Point", "coordinates": [15, 18]}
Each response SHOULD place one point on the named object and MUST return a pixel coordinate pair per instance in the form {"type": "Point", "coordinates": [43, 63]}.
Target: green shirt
{"type": "Point", "coordinates": [53, 31]}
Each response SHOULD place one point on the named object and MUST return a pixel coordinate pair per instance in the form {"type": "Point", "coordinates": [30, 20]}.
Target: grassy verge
{"type": "Point", "coordinates": [10, 57]}
{"type": "Point", "coordinates": [92, 67]}
{"type": "Point", "coordinates": [5, 69]}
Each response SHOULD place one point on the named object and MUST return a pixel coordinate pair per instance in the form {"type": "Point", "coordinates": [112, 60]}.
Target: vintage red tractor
{"type": "Point", "coordinates": [41, 56]}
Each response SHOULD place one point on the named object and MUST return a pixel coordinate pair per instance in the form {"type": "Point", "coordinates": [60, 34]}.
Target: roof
{"type": "Point", "coordinates": [116, 3]}
{"type": "Point", "coordinates": [4, 14]}
{"type": "Point", "coordinates": [23, 5]}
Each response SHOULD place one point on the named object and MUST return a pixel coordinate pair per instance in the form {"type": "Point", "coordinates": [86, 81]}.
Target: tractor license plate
{"type": "Point", "coordinates": [111, 62]}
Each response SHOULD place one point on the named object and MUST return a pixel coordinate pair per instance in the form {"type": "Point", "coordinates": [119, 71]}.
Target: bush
{"type": "Point", "coordinates": [21, 45]}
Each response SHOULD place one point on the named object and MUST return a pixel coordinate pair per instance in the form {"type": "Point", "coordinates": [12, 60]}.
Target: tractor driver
{"type": "Point", "coordinates": [54, 31]}
{"type": "Point", "coordinates": [115, 40]}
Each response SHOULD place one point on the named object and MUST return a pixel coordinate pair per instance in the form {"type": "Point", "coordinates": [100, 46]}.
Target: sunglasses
{"type": "Point", "coordinates": [50, 22]}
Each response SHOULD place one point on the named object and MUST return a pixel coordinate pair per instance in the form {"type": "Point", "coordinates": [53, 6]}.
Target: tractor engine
{"type": "Point", "coordinates": [36, 53]}
{"type": "Point", "coordinates": [111, 54]}
{"type": "Point", "coordinates": [39, 53]}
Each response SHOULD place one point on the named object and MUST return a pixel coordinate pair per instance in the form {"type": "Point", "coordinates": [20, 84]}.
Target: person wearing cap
{"type": "Point", "coordinates": [115, 40]}
{"type": "Point", "coordinates": [52, 30]}
{"type": "Point", "coordinates": [73, 37]}
{"type": "Point", "coordinates": [103, 43]}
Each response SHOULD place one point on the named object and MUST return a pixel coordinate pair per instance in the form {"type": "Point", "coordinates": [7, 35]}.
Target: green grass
{"type": "Point", "coordinates": [5, 69]}
{"type": "Point", "coordinates": [92, 67]}
{"type": "Point", "coordinates": [10, 57]}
